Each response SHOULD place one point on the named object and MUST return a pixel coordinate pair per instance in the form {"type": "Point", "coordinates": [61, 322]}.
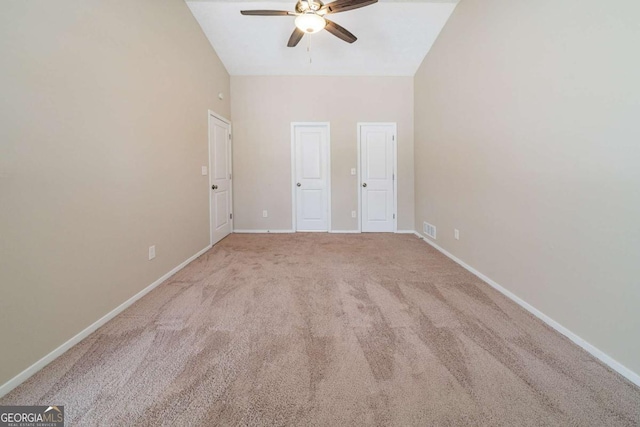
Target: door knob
{"type": "Point", "coordinates": [214, 187]}
{"type": "Point", "coordinates": [364, 185]}
{"type": "Point", "coordinates": [299, 185]}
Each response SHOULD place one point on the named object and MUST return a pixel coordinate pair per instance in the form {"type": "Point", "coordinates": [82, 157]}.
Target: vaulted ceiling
{"type": "Point", "coordinates": [393, 38]}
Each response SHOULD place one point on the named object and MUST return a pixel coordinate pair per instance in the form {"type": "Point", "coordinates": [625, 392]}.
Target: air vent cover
{"type": "Point", "coordinates": [429, 230]}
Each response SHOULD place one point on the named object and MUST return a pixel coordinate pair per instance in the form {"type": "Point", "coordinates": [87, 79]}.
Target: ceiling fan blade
{"type": "Point", "coordinates": [295, 38]}
{"type": "Point", "coordinates": [340, 32]}
{"type": "Point", "coordinates": [344, 5]}
{"type": "Point", "coordinates": [266, 12]}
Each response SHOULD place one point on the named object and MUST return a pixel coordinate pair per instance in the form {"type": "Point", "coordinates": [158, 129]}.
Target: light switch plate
{"type": "Point", "coordinates": [353, 171]}
{"type": "Point", "coordinates": [204, 170]}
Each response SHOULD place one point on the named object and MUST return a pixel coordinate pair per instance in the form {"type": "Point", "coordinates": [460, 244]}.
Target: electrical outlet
{"type": "Point", "coordinates": [265, 214]}
{"type": "Point", "coordinates": [353, 214]}
{"type": "Point", "coordinates": [456, 234]}
{"type": "Point", "coordinates": [152, 252]}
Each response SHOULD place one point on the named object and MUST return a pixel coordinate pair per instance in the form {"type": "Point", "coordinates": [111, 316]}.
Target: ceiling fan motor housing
{"type": "Point", "coordinates": [308, 5]}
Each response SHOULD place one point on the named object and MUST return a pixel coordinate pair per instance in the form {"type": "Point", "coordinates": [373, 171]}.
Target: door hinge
{"type": "Point", "coordinates": [229, 176]}
{"type": "Point", "coordinates": [393, 176]}
{"type": "Point", "coordinates": [394, 216]}
{"type": "Point", "coordinates": [229, 137]}
{"type": "Point", "coordinates": [230, 216]}
{"type": "Point", "coordinates": [393, 137]}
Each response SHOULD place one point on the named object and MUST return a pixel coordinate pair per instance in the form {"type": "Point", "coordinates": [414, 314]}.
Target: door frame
{"type": "Point", "coordinates": [223, 119]}
{"type": "Point", "coordinates": [395, 171]}
{"type": "Point", "coordinates": [293, 171]}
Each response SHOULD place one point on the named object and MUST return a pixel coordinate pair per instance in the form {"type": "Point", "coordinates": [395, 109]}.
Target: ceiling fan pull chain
{"type": "Point", "coordinates": [309, 48]}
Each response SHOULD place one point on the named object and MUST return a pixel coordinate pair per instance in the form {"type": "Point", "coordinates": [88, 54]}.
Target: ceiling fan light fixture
{"type": "Point", "coordinates": [310, 22]}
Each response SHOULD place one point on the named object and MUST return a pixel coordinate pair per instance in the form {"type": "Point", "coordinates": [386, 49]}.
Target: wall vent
{"type": "Point", "coordinates": [429, 230]}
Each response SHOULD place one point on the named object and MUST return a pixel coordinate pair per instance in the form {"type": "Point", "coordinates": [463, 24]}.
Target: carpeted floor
{"type": "Point", "coordinates": [335, 330]}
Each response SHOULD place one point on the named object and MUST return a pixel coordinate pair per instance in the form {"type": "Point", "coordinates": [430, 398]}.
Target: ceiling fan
{"type": "Point", "coordinates": [310, 17]}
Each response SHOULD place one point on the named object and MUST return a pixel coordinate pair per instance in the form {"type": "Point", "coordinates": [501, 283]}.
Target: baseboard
{"type": "Point", "coordinates": [330, 231]}
{"type": "Point", "coordinates": [263, 231]}
{"type": "Point", "coordinates": [591, 349]}
{"type": "Point", "coordinates": [27, 373]}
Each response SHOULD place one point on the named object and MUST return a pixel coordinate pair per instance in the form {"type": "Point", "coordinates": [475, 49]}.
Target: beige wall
{"type": "Point", "coordinates": [528, 141]}
{"type": "Point", "coordinates": [263, 109]}
{"type": "Point", "coordinates": [103, 130]}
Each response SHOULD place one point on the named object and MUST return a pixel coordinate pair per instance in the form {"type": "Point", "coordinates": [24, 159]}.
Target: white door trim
{"type": "Point", "coordinates": [230, 160]}
{"type": "Point", "coordinates": [395, 171]}
{"type": "Point", "coordinates": [293, 171]}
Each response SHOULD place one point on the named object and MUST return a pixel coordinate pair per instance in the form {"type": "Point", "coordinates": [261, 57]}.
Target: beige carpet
{"type": "Point", "coordinates": [334, 330]}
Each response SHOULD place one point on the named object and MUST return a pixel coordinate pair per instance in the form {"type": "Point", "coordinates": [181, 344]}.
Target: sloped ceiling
{"type": "Point", "coordinates": [393, 38]}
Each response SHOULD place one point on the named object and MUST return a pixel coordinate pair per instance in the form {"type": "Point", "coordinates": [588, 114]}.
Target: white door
{"type": "Point", "coordinates": [220, 178]}
{"type": "Point", "coordinates": [311, 177]}
{"type": "Point", "coordinates": [377, 177]}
